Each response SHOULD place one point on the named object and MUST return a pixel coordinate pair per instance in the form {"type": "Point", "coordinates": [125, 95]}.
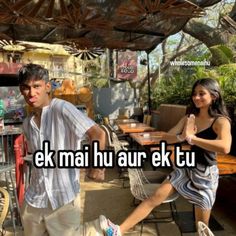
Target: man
{"type": "Point", "coordinates": [51, 204]}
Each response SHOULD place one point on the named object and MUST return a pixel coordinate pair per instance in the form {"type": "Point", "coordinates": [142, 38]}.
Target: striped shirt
{"type": "Point", "coordinates": [65, 127]}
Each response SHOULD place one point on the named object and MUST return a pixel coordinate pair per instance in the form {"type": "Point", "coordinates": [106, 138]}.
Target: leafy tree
{"type": "Point", "coordinates": [177, 88]}
{"type": "Point", "coordinates": [207, 38]}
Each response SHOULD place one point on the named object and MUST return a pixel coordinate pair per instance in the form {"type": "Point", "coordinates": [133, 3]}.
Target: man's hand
{"type": "Point", "coordinates": [96, 174]}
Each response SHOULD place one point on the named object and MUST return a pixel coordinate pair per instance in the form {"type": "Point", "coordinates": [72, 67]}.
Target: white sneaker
{"type": "Point", "coordinates": [109, 228]}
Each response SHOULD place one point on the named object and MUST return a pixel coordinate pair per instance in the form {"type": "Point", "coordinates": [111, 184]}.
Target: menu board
{"type": "Point", "coordinates": [127, 65]}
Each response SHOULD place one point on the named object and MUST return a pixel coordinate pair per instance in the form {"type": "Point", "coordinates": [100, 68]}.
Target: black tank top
{"type": "Point", "coordinates": [203, 156]}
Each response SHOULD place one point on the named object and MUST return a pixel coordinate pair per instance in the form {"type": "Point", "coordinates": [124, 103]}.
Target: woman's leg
{"type": "Point", "coordinates": [143, 210]}
{"type": "Point", "coordinates": [202, 215]}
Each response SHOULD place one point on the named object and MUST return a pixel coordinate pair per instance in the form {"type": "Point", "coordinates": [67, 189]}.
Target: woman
{"type": "Point", "coordinates": [207, 130]}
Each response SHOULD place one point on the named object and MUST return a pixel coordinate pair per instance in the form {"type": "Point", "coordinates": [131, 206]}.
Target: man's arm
{"type": "Point", "coordinates": [95, 133]}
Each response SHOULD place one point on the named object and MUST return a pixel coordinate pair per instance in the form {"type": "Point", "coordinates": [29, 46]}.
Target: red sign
{"type": "Point", "coordinates": [10, 68]}
{"type": "Point", "coordinates": [127, 65]}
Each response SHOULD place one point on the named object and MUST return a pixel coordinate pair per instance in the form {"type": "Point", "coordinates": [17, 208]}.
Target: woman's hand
{"type": "Point", "coordinates": [190, 128]}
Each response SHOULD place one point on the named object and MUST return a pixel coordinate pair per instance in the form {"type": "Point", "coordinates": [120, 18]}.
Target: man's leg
{"type": "Point", "coordinates": [33, 221]}
{"type": "Point", "coordinates": [65, 221]}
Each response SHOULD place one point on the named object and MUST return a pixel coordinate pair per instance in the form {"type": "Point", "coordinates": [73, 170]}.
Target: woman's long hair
{"type": "Point", "coordinates": [217, 108]}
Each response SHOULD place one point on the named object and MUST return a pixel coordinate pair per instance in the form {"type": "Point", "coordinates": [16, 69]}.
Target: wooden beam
{"type": "Point", "coordinates": [146, 32]}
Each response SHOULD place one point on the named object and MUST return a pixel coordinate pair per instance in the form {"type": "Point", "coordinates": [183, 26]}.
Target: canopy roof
{"type": "Point", "coordinates": [120, 24]}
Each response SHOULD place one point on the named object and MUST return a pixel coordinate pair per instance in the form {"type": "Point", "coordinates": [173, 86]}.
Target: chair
{"type": "Point", "coordinates": [111, 128]}
{"type": "Point", "coordinates": [142, 189]}
{"type": "Point", "coordinates": [147, 119]}
{"type": "Point", "coordinates": [203, 229]}
{"type": "Point", "coordinates": [156, 176]}
{"type": "Point", "coordinates": [10, 161]}
{"type": "Point", "coordinates": [115, 144]}
{"type": "Point", "coordinates": [106, 120]}
{"type": "Point", "coordinates": [113, 141]}
{"type": "Point", "coordinates": [4, 206]}
{"type": "Point", "coordinates": [144, 119]}
{"type": "Point", "coordinates": [170, 114]}
{"type": "Point", "coordinates": [137, 114]}
{"type": "Point", "coordinates": [109, 144]}
{"type": "Point", "coordinates": [123, 113]}
{"type": "Point", "coordinates": [119, 134]}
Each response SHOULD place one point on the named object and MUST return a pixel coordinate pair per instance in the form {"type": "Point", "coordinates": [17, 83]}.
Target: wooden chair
{"type": "Point", "coordinates": [147, 119]}
{"type": "Point", "coordinates": [124, 113]}
{"type": "Point", "coordinates": [106, 120]}
{"type": "Point", "coordinates": [144, 119]}
{"type": "Point", "coordinates": [4, 206]}
{"type": "Point", "coordinates": [170, 114]}
{"type": "Point", "coordinates": [137, 114]}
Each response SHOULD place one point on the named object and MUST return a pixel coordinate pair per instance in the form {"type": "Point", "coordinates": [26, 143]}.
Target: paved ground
{"type": "Point", "coordinates": [112, 200]}
{"type": "Point", "coordinates": [115, 202]}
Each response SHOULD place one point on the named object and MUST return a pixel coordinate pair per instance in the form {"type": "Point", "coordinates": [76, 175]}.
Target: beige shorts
{"type": "Point", "coordinates": [64, 221]}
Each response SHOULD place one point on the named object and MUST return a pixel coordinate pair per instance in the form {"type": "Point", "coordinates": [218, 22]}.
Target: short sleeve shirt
{"type": "Point", "coordinates": [64, 126]}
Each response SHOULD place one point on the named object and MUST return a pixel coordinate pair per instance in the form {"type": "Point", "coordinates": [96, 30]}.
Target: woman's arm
{"type": "Point", "coordinates": [223, 141]}
{"type": "Point", "coordinates": [178, 128]}
{"type": "Point", "coordinates": [171, 136]}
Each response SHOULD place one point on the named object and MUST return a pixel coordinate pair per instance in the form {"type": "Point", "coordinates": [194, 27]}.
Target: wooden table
{"type": "Point", "coordinates": [125, 121]}
{"type": "Point", "coordinates": [147, 138]}
{"type": "Point", "coordinates": [135, 128]}
{"type": "Point", "coordinates": [226, 163]}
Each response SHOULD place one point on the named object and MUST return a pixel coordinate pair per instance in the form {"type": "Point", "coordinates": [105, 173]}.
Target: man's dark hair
{"type": "Point", "coordinates": [32, 71]}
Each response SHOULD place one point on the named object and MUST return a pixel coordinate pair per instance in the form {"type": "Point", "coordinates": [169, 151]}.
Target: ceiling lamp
{"type": "Point", "coordinates": [9, 45]}
{"type": "Point", "coordinates": [20, 46]}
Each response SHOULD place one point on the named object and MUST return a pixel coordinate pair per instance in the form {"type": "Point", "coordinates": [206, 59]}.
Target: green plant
{"type": "Point", "coordinates": [227, 79]}
{"type": "Point", "coordinates": [99, 82]}
{"type": "Point", "coordinates": [176, 89]}
{"type": "Point", "coordinates": [221, 54]}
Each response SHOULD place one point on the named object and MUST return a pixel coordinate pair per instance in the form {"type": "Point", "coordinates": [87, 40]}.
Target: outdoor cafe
{"type": "Point", "coordinates": [114, 61]}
